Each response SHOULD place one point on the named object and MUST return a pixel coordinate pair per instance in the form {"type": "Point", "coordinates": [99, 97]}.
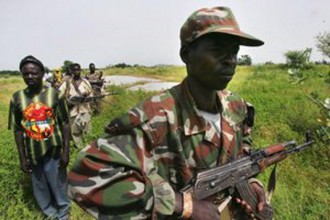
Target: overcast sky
{"type": "Point", "coordinates": [146, 32]}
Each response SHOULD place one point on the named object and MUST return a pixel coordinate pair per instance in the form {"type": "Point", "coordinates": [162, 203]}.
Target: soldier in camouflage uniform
{"type": "Point", "coordinates": [96, 81]}
{"type": "Point", "coordinates": [136, 171]}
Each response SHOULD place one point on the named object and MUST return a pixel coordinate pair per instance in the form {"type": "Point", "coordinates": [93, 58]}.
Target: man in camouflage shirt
{"type": "Point", "coordinates": [137, 170]}
{"type": "Point", "coordinates": [96, 81]}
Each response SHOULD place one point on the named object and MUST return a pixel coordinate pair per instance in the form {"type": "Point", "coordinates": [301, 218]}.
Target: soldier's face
{"type": "Point", "coordinates": [32, 74]}
{"type": "Point", "coordinates": [212, 60]}
{"type": "Point", "coordinates": [92, 68]}
{"type": "Point", "coordinates": [76, 71]}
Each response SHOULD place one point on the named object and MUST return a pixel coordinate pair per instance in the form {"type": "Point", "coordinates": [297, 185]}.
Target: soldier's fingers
{"type": "Point", "coordinates": [261, 199]}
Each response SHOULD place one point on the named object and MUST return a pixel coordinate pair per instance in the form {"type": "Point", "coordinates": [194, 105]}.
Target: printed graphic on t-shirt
{"type": "Point", "coordinates": [38, 121]}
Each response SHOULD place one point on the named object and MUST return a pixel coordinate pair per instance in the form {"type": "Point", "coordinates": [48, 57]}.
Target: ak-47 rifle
{"type": "Point", "coordinates": [84, 99]}
{"type": "Point", "coordinates": [234, 175]}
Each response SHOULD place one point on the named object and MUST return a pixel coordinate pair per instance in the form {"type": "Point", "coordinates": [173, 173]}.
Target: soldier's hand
{"type": "Point", "coordinates": [201, 210]}
{"type": "Point", "coordinates": [25, 166]}
{"type": "Point", "coordinates": [204, 210]}
{"type": "Point", "coordinates": [259, 190]}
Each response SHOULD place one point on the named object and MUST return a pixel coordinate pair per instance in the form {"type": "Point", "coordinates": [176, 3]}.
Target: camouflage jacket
{"type": "Point", "coordinates": [134, 172]}
{"type": "Point", "coordinates": [96, 80]}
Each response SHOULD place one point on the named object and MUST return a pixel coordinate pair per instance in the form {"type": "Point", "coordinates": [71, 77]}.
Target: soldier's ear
{"type": "Point", "coordinates": [184, 52]}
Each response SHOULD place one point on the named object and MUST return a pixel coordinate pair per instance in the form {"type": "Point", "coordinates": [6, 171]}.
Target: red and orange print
{"type": "Point", "coordinates": [38, 121]}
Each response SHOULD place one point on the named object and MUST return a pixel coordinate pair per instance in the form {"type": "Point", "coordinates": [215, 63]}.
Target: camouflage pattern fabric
{"type": "Point", "coordinates": [154, 151]}
{"type": "Point", "coordinates": [214, 20]}
{"type": "Point", "coordinates": [96, 81]}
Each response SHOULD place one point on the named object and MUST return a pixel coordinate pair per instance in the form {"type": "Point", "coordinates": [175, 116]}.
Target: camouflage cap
{"type": "Point", "coordinates": [214, 20]}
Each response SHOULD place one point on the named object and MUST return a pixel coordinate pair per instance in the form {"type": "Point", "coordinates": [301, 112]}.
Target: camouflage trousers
{"type": "Point", "coordinates": [80, 125]}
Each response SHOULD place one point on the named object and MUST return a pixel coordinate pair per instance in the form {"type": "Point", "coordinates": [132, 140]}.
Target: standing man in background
{"type": "Point", "coordinates": [96, 81]}
{"type": "Point", "coordinates": [80, 112]}
{"type": "Point", "coordinates": [68, 73]}
{"type": "Point", "coordinates": [39, 118]}
{"type": "Point", "coordinates": [48, 79]}
{"type": "Point", "coordinates": [58, 78]}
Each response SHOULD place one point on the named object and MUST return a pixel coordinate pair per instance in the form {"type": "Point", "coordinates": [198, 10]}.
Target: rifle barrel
{"type": "Point", "coordinates": [300, 147]}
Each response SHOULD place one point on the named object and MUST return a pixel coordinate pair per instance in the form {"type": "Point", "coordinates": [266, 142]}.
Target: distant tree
{"type": "Point", "coordinates": [323, 61]}
{"type": "Point", "coordinates": [323, 43]}
{"type": "Point", "coordinates": [269, 62]}
{"type": "Point", "coordinates": [298, 58]}
{"type": "Point", "coordinates": [245, 60]}
{"type": "Point", "coordinates": [66, 64]}
{"type": "Point", "coordinates": [122, 65]}
{"type": "Point", "coordinates": [9, 72]}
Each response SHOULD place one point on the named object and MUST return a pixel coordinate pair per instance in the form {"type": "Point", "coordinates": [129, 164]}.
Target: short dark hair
{"type": "Point", "coordinates": [75, 65]}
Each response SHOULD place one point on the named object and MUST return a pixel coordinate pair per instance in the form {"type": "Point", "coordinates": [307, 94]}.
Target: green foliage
{"type": "Point", "coordinates": [245, 60]}
{"type": "Point", "coordinates": [283, 113]}
{"type": "Point", "coordinates": [168, 73]}
{"type": "Point", "coordinates": [8, 73]}
{"type": "Point", "coordinates": [66, 65]}
{"type": "Point", "coordinates": [298, 76]}
{"type": "Point", "coordinates": [323, 43]}
{"type": "Point", "coordinates": [122, 65]}
{"type": "Point", "coordinates": [298, 58]}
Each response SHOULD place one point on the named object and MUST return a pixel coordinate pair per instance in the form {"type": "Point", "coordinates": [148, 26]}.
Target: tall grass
{"type": "Point", "coordinates": [167, 73]}
{"type": "Point", "coordinates": [283, 113]}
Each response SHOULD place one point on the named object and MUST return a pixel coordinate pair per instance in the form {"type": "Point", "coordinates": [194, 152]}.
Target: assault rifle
{"type": "Point", "coordinates": [84, 99]}
{"type": "Point", "coordinates": [234, 175]}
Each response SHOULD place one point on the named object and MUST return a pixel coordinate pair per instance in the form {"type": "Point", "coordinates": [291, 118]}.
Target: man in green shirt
{"type": "Point", "coordinates": [40, 121]}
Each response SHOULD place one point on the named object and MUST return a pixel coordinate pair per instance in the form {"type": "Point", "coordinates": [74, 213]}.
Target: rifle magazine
{"type": "Point", "coordinates": [246, 193]}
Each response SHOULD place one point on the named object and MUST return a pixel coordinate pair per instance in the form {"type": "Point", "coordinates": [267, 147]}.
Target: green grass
{"type": "Point", "coordinates": [283, 113]}
{"type": "Point", "coordinates": [167, 73]}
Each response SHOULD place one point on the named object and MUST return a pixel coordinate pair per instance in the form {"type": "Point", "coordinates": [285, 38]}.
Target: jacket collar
{"type": "Point", "coordinates": [194, 123]}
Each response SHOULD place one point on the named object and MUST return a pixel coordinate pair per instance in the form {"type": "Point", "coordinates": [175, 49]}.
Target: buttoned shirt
{"type": "Point", "coordinates": [84, 89]}
{"type": "Point", "coordinates": [154, 151]}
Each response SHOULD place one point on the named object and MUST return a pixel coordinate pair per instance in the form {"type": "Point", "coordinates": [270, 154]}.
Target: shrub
{"type": "Point", "coordinates": [298, 58]}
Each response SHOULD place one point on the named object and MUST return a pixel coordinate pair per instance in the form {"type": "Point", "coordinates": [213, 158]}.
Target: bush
{"type": "Point", "coordinates": [245, 60]}
{"type": "Point", "coordinates": [323, 43]}
{"type": "Point", "coordinates": [122, 65]}
{"type": "Point", "coordinates": [298, 58]}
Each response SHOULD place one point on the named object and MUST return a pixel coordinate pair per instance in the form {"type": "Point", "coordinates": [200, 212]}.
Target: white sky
{"type": "Point", "coordinates": [146, 32]}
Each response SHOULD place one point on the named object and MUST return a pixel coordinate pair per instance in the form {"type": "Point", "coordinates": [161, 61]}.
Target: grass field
{"type": "Point", "coordinates": [283, 113]}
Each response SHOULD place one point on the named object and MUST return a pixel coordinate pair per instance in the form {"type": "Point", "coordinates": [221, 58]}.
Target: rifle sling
{"type": "Point", "coordinates": [76, 87]}
{"type": "Point", "coordinates": [271, 184]}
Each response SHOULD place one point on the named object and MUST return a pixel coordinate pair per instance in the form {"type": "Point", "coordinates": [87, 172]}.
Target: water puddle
{"type": "Point", "coordinates": [147, 84]}
{"type": "Point", "coordinates": [122, 80]}
{"type": "Point", "coordinates": [156, 86]}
